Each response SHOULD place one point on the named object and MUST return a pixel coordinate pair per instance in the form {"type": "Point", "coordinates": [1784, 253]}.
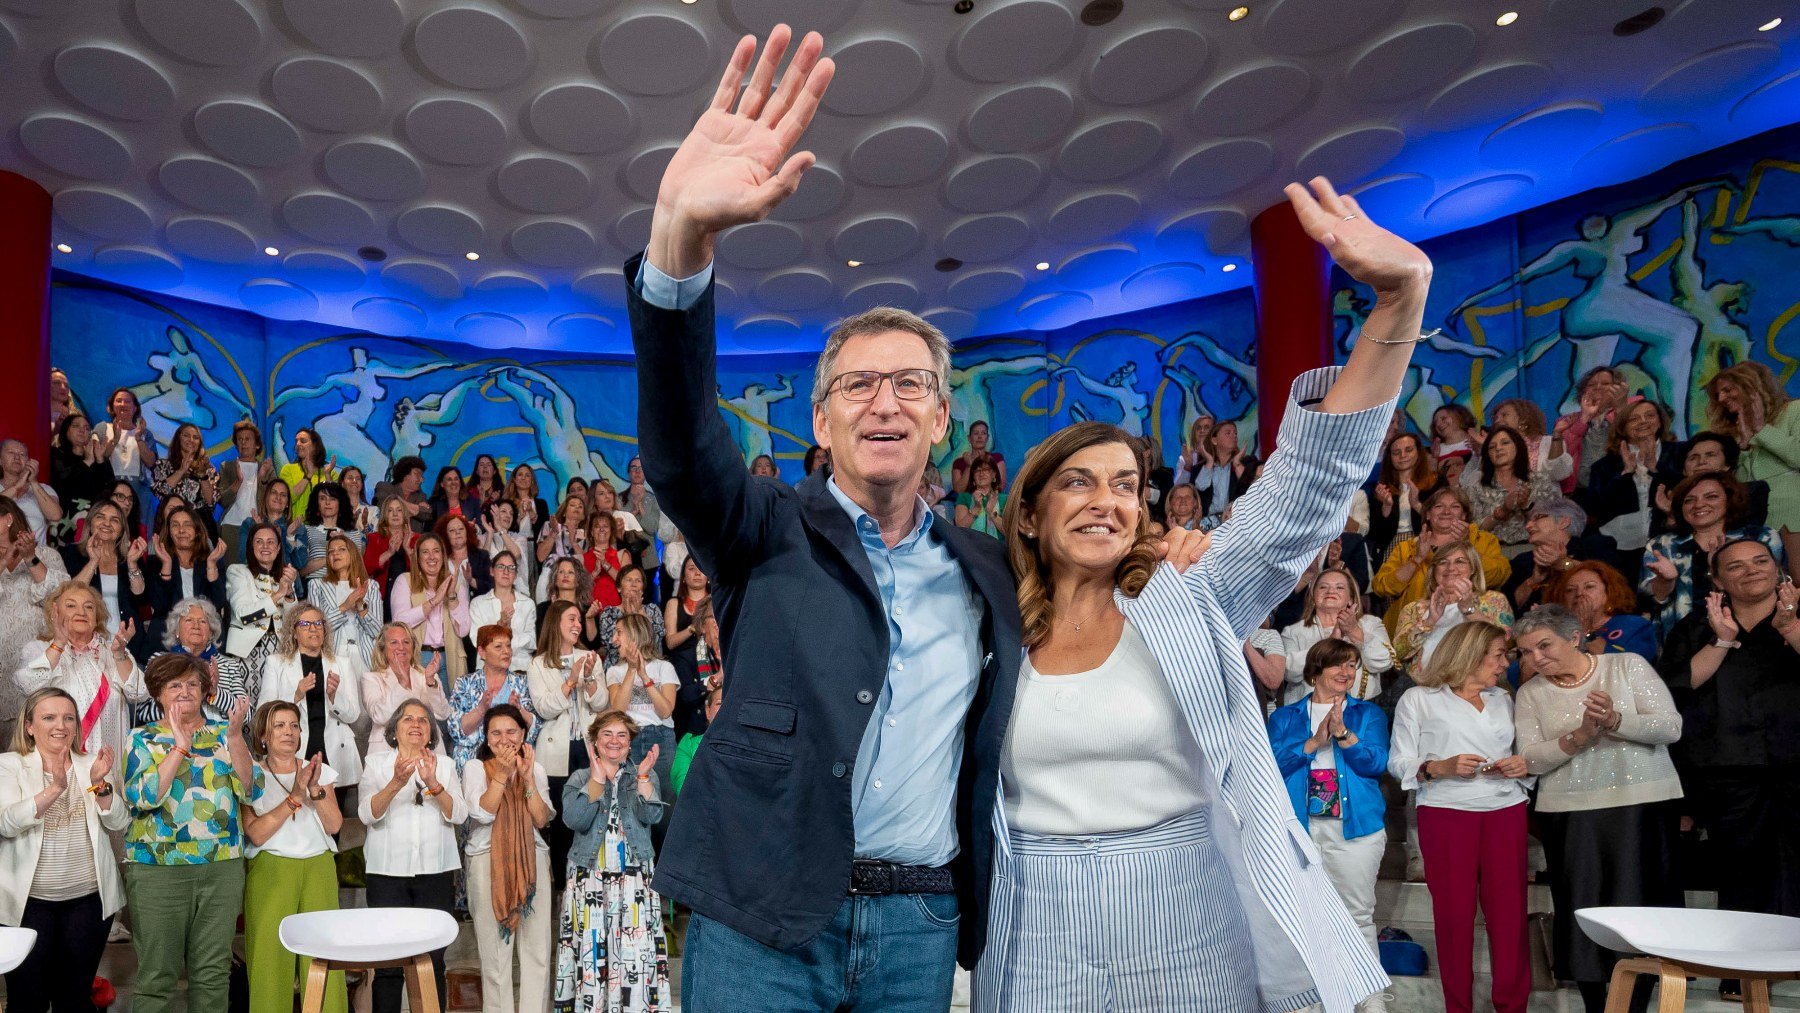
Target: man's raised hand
{"type": "Point", "coordinates": [734, 166]}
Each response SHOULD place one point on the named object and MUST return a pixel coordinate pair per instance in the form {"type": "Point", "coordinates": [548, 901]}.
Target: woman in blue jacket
{"type": "Point", "coordinates": [1332, 749]}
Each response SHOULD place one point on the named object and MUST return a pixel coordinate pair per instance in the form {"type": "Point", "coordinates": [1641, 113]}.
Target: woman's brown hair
{"type": "Point", "coordinates": [1036, 608]}
{"type": "Point", "coordinates": [1424, 474]}
{"type": "Point", "coordinates": [1327, 653]}
{"type": "Point", "coordinates": [259, 725]}
{"type": "Point", "coordinates": [1737, 499]}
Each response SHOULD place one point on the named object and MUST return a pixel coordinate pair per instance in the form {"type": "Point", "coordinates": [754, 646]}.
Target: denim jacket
{"type": "Point", "coordinates": [587, 817]}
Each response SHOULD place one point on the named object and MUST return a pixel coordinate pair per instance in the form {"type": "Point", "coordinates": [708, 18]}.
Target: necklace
{"type": "Point", "coordinates": [1593, 665]}
{"type": "Point", "coordinates": [1084, 622]}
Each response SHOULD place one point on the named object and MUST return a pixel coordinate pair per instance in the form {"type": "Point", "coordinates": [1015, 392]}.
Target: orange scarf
{"type": "Point", "coordinates": [512, 858]}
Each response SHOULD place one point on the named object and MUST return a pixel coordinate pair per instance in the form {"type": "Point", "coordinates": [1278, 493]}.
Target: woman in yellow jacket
{"type": "Point", "coordinates": [1402, 577]}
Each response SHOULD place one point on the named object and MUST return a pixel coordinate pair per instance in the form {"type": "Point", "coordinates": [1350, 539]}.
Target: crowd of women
{"type": "Point", "coordinates": [1575, 631]}
{"type": "Point", "coordinates": [1586, 636]}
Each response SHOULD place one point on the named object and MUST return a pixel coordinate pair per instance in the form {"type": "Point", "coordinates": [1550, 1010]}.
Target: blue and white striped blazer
{"type": "Point", "coordinates": [1307, 948]}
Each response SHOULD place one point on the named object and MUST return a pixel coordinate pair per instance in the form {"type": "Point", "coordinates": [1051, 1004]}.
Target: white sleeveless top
{"type": "Point", "coordinates": [1099, 751]}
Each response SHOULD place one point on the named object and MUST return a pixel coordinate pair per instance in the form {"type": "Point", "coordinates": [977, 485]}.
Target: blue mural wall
{"type": "Point", "coordinates": [1671, 276]}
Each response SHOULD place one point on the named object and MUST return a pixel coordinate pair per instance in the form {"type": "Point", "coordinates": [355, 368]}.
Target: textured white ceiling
{"type": "Point", "coordinates": [182, 137]}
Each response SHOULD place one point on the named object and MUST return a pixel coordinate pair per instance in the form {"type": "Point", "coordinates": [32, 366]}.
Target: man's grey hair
{"type": "Point", "coordinates": [172, 630]}
{"type": "Point", "coordinates": [877, 321]}
{"type": "Point", "coordinates": [1562, 508]}
{"type": "Point", "coordinates": [1561, 623]}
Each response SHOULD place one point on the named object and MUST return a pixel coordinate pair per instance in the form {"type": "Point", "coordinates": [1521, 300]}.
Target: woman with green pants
{"type": "Point", "coordinates": [185, 777]}
{"type": "Point", "coordinates": [291, 868]}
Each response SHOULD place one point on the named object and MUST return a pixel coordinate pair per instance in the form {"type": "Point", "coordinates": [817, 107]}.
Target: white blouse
{"type": "Point", "coordinates": [1377, 657]}
{"type": "Point", "coordinates": [303, 835]}
{"type": "Point", "coordinates": [481, 822]}
{"type": "Point", "coordinates": [1436, 724]}
{"type": "Point", "coordinates": [413, 837]}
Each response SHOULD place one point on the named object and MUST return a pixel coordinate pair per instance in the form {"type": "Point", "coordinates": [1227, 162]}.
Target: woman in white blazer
{"type": "Point", "coordinates": [257, 590]}
{"type": "Point", "coordinates": [58, 802]}
{"type": "Point", "coordinates": [325, 686]}
{"type": "Point", "coordinates": [1136, 781]}
{"type": "Point", "coordinates": [568, 688]}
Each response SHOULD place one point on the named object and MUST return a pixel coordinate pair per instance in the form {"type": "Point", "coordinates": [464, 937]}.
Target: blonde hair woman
{"type": "Point", "coordinates": [322, 684]}
{"type": "Point", "coordinates": [1453, 744]}
{"type": "Point", "coordinates": [644, 686]}
{"type": "Point", "coordinates": [1456, 591]}
{"type": "Point", "coordinates": [435, 604]}
{"type": "Point", "coordinates": [396, 676]}
{"type": "Point", "coordinates": [1334, 609]}
{"type": "Point", "coordinates": [1748, 402]}
{"type": "Point", "coordinates": [567, 687]}
{"type": "Point", "coordinates": [350, 600]}
{"type": "Point", "coordinates": [77, 656]}
{"type": "Point", "coordinates": [58, 804]}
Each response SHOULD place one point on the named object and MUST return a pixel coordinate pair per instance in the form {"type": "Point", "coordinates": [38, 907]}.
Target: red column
{"type": "Point", "coordinates": [1293, 312]}
{"type": "Point", "coordinates": [25, 314]}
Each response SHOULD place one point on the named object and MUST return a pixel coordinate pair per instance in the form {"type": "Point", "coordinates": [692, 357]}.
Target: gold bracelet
{"type": "Point", "coordinates": [1423, 336]}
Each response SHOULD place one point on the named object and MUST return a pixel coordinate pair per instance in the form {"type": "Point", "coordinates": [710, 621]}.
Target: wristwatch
{"type": "Point", "coordinates": [1340, 738]}
{"type": "Point", "coordinates": [1425, 773]}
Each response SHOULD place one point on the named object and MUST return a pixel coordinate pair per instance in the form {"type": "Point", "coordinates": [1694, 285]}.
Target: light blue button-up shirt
{"type": "Point", "coordinates": [903, 792]}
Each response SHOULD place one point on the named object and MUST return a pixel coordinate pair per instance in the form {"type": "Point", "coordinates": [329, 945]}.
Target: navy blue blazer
{"type": "Point", "coordinates": [763, 838]}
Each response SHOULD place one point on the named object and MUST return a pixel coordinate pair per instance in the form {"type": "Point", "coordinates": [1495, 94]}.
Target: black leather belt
{"type": "Point", "coordinates": [870, 878]}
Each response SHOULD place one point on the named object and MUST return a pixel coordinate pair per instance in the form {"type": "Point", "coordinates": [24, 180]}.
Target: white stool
{"type": "Point", "coordinates": [15, 946]}
{"type": "Point", "coordinates": [358, 938]}
{"type": "Point", "coordinates": [1754, 948]}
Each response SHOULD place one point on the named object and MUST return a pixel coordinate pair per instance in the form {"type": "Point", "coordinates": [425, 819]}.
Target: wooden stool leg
{"type": "Point", "coordinates": [1756, 995]}
{"type": "Point", "coordinates": [1618, 993]}
{"type": "Point", "coordinates": [314, 997]}
{"type": "Point", "coordinates": [1673, 989]}
{"type": "Point", "coordinates": [421, 985]}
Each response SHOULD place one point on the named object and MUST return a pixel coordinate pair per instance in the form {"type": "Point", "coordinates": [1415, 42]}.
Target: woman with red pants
{"type": "Point", "coordinates": [1453, 744]}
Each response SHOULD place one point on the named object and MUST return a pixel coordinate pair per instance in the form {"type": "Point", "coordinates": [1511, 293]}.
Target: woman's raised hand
{"type": "Point", "coordinates": [1366, 251]}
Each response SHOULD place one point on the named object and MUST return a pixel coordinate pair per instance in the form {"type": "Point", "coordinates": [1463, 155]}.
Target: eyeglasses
{"type": "Point", "coordinates": [309, 624]}
{"type": "Point", "coordinates": [505, 568]}
{"type": "Point", "coordinates": [909, 384]}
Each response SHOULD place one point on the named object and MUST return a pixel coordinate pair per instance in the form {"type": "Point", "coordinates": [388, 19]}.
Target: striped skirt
{"type": "Point", "coordinates": [1141, 921]}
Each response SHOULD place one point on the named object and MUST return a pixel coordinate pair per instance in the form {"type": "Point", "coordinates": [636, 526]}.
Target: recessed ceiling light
{"type": "Point", "coordinates": [1043, 265]}
{"type": "Point", "coordinates": [1229, 267]}
{"type": "Point", "coordinates": [472, 255]}
{"type": "Point", "coordinates": [854, 263]}
{"type": "Point", "coordinates": [1771, 26]}
{"type": "Point", "coordinates": [64, 248]}
{"type": "Point", "coordinates": [1506, 19]}
{"type": "Point", "coordinates": [271, 251]}
{"type": "Point", "coordinates": [1239, 13]}
{"type": "Point", "coordinates": [687, 1]}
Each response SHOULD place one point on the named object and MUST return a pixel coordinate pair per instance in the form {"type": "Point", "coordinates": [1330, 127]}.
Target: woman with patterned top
{"type": "Point", "coordinates": [611, 953]}
{"type": "Point", "coordinates": [78, 657]}
{"type": "Point", "coordinates": [494, 682]}
{"type": "Point", "coordinates": [292, 866]}
{"type": "Point", "coordinates": [187, 471]}
{"type": "Point", "coordinates": [57, 873]}
{"type": "Point", "coordinates": [1456, 592]}
{"type": "Point", "coordinates": [1595, 729]}
{"type": "Point", "coordinates": [1709, 511]}
{"type": "Point", "coordinates": [185, 779]}
{"type": "Point", "coordinates": [1505, 487]}
{"type": "Point", "coordinates": [193, 630]}
{"type": "Point", "coordinates": [632, 584]}
{"type": "Point", "coordinates": [350, 600]}
{"type": "Point", "coordinates": [411, 800]}
{"type": "Point", "coordinates": [1332, 749]}
{"type": "Point", "coordinates": [184, 562]}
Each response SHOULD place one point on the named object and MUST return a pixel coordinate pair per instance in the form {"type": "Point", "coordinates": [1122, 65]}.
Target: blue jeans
{"type": "Point", "coordinates": [893, 954]}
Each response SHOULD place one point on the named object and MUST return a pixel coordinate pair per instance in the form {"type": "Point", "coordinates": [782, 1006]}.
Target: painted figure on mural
{"type": "Point", "coordinates": [1132, 404]}
{"type": "Point", "coordinates": [1611, 306]}
{"type": "Point", "coordinates": [1723, 341]}
{"type": "Point", "coordinates": [752, 411]}
{"type": "Point", "coordinates": [414, 421]}
{"type": "Point", "coordinates": [1235, 400]}
{"type": "Point", "coordinates": [972, 400]}
{"type": "Point", "coordinates": [561, 442]}
{"type": "Point", "coordinates": [347, 430]}
{"type": "Point", "coordinates": [184, 391]}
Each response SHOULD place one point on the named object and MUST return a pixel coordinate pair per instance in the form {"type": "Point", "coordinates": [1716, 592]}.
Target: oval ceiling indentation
{"type": "Point", "coordinates": [1092, 217]}
{"type": "Point", "coordinates": [1351, 156]}
{"type": "Point", "coordinates": [1021, 119]}
{"type": "Point", "coordinates": [1011, 41]}
{"type": "Point", "coordinates": [795, 291]}
{"type": "Point", "coordinates": [326, 94]}
{"type": "Point", "coordinates": [1709, 79]}
{"type": "Point", "coordinates": [355, 28]}
{"type": "Point", "coordinates": [875, 76]}
{"type": "Point", "coordinates": [544, 184]}
{"type": "Point", "coordinates": [208, 184]}
{"type": "Point", "coordinates": [423, 278]}
{"type": "Point", "coordinates": [325, 271]}
{"type": "Point", "coordinates": [385, 315]}
{"type": "Point", "coordinates": [877, 239]}
{"type": "Point", "coordinates": [1414, 60]}
{"type": "Point", "coordinates": [472, 47]}
{"type": "Point", "coordinates": [1310, 27]}
{"type": "Point", "coordinates": [1205, 232]}
{"type": "Point", "coordinates": [1055, 310]}
{"type": "Point", "coordinates": [762, 246]}
{"type": "Point", "coordinates": [995, 183]}
{"type": "Point", "coordinates": [212, 33]}
{"type": "Point", "coordinates": [140, 266]}
{"type": "Point", "coordinates": [1110, 149]}
{"type": "Point", "coordinates": [328, 218]}
{"type": "Point", "coordinates": [1253, 99]}
{"type": "Point", "coordinates": [1637, 153]}
{"type": "Point", "coordinates": [282, 300]}
{"type": "Point", "coordinates": [986, 238]}
{"type": "Point", "coordinates": [490, 330]}
{"type": "Point", "coordinates": [580, 119]}
{"type": "Point", "coordinates": [653, 54]}
{"type": "Point", "coordinates": [1522, 142]}
{"type": "Point", "coordinates": [456, 131]}
{"type": "Point", "coordinates": [1148, 66]}
{"type": "Point", "coordinates": [114, 82]}
{"type": "Point", "coordinates": [980, 290]}
{"type": "Point", "coordinates": [1489, 94]}
{"type": "Point", "coordinates": [441, 229]}
{"type": "Point", "coordinates": [553, 242]}
{"type": "Point", "coordinates": [374, 170]}
{"type": "Point", "coordinates": [248, 133]}
{"type": "Point", "coordinates": [1480, 201]}
{"type": "Point", "coordinates": [821, 190]}
{"type": "Point", "coordinates": [899, 156]}
{"type": "Point", "coordinates": [211, 239]}
{"type": "Point", "coordinates": [1221, 167]}
{"type": "Point", "coordinates": [75, 147]}
{"type": "Point", "coordinates": [106, 214]}
{"type": "Point", "coordinates": [510, 291]}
